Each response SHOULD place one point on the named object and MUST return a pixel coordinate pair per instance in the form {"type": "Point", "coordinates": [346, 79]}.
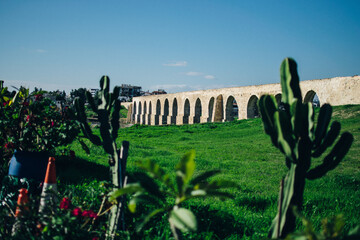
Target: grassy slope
{"type": "Point", "coordinates": [245, 155]}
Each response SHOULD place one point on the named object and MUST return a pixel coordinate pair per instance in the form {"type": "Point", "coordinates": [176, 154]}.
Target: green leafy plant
{"type": "Point", "coordinates": [107, 109]}
{"type": "Point", "coordinates": [167, 194]}
{"type": "Point", "coordinates": [69, 221]}
{"type": "Point", "coordinates": [32, 122]}
{"type": "Point", "coordinates": [291, 129]}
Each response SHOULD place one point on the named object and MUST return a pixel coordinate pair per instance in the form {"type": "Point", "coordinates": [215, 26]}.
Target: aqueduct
{"type": "Point", "coordinates": [227, 104]}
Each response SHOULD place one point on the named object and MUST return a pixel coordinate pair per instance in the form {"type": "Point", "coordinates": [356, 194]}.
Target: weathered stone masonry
{"type": "Point", "coordinates": [216, 105]}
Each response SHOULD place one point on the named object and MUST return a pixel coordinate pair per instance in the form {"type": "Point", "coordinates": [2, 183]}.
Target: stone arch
{"type": "Point", "coordinates": [231, 110]}
{"type": "Point", "coordinates": [186, 111]}
{"type": "Point", "coordinates": [211, 109]}
{"type": "Point", "coordinates": [219, 109]}
{"type": "Point", "coordinates": [252, 108]}
{"type": "Point", "coordinates": [166, 112]}
{"type": "Point", "coordinates": [149, 115]}
{"type": "Point", "coordinates": [174, 111]}
{"type": "Point", "coordinates": [198, 112]}
{"type": "Point", "coordinates": [158, 112]}
{"type": "Point", "coordinates": [311, 96]}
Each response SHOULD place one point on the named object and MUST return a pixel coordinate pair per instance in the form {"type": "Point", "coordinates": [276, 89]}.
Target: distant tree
{"type": "Point", "coordinates": [78, 93]}
{"type": "Point", "coordinates": [60, 96]}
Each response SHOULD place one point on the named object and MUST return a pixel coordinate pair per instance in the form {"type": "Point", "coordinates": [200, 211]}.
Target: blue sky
{"type": "Point", "coordinates": [175, 45]}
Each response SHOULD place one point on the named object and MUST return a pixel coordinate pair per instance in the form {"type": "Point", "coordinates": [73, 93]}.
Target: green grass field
{"type": "Point", "coordinates": [245, 155]}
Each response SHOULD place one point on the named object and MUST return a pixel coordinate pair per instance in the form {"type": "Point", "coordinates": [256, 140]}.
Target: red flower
{"type": "Point", "coordinates": [93, 215]}
{"type": "Point", "coordinates": [95, 238]}
{"type": "Point", "coordinates": [5, 103]}
{"type": "Point", "coordinates": [38, 97]}
{"type": "Point", "coordinates": [85, 213]}
{"type": "Point", "coordinates": [77, 211]}
{"type": "Point", "coordinates": [9, 145]}
{"type": "Point", "coordinates": [52, 123]}
{"type": "Point", "coordinates": [65, 203]}
{"type": "Point", "coordinates": [89, 214]}
{"type": "Point", "coordinates": [25, 104]}
{"type": "Point", "coordinates": [28, 118]}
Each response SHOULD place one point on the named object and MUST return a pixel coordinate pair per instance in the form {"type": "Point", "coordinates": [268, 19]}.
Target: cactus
{"type": "Point", "coordinates": [291, 129]}
{"type": "Point", "coordinates": [107, 109]}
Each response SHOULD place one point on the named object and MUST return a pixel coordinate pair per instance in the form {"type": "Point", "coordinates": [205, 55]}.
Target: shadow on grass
{"type": "Point", "coordinates": [221, 224]}
{"type": "Point", "coordinates": [78, 169]}
{"type": "Point", "coordinates": [254, 203]}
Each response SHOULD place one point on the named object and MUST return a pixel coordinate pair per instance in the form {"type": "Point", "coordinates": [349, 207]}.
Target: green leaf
{"type": "Point", "coordinates": [140, 197]}
{"type": "Point", "coordinates": [183, 219]}
{"type": "Point", "coordinates": [149, 185]}
{"type": "Point", "coordinates": [186, 167]}
{"type": "Point", "coordinates": [354, 233]}
{"type": "Point", "coordinates": [157, 172]}
{"type": "Point", "coordinates": [148, 218]}
{"type": "Point", "coordinates": [198, 193]}
{"type": "Point", "coordinates": [129, 189]}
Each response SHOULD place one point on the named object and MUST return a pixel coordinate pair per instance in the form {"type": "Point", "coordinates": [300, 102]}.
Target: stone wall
{"type": "Point", "coordinates": [216, 105]}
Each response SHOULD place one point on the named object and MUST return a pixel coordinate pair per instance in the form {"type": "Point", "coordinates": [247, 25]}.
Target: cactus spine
{"type": "Point", "coordinates": [291, 129]}
{"type": "Point", "coordinates": [107, 109]}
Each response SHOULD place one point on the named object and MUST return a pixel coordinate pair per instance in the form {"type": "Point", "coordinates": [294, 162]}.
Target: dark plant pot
{"type": "Point", "coordinates": [31, 165]}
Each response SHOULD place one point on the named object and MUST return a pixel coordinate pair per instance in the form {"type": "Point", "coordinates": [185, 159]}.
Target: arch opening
{"type": "Point", "coordinates": [174, 112]}
{"type": "Point", "coordinates": [232, 111]}
{"type": "Point", "coordinates": [149, 115]}
{"type": "Point", "coordinates": [133, 116]}
{"type": "Point", "coordinates": [312, 97]}
{"type": "Point", "coordinates": [252, 108]}
{"type": "Point", "coordinates": [198, 111]}
{"type": "Point", "coordinates": [139, 114]}
{"type": "Point", "coordinates": [158, 111]}
{"type": "Point", "coordinates": [186, 111]}
{"type": "Point", "coordinates": [166, 112]}
{"type": "Point", "coordinates": [143, 115]}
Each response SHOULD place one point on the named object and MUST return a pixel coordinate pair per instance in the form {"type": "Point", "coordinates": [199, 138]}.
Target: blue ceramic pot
{"type": "Point", "coordinates": [32, 165]}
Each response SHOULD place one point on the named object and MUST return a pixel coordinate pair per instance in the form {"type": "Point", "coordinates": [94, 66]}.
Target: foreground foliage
{"type": "Point", "coordinates": [292, 131]}
{"type": "Point", "coordinates": [107, 108]}
{"type": "Point", "coordinates": [170, 195]}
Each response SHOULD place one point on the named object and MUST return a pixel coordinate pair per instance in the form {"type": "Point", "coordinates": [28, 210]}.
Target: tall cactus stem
{"type": "Point", "coordinates": [107, 109]}
{"type": "Point", "coordinates": [291, 129]}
